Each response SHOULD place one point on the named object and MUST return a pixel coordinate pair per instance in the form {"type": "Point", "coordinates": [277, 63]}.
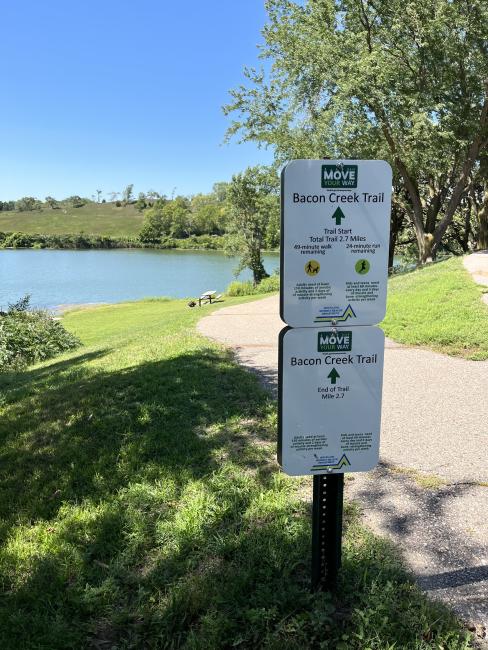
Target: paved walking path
{"type": "Point", "coordinates": [434, 433]}
{"type": "Point", "coordinates": [477, 265]}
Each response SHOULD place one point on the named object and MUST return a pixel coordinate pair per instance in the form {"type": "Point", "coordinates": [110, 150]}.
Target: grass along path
{"type": "Point", "coordinates": [438, 306]}
{"type": "Point", "coordinates": [141, 507]}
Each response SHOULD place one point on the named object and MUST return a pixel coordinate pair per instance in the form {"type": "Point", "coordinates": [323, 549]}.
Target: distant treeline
{"type": "Point", "coordinates": [197, 221]}
{"type": "Point", "coordinates": [81, 241]}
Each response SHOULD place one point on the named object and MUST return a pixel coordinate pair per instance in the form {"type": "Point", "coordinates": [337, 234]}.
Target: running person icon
{"type": "Point", "coordinates": [362, 267]}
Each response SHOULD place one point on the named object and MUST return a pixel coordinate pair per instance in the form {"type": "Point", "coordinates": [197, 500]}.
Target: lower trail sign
{"type": "Point", "coordinates": [330, 399]}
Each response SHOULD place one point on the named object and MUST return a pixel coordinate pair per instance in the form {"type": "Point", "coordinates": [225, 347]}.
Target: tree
{"type": "Point", "coordinates": [177, 217]}
{"type": "Point", "coordinates": [152, 196]}
{"type": "Point", "coordinates": [52, 203]}
{"type": "Point", "coordinates": [75, 201]}
{"type": "Point", "coordinates": [220, 190]}
{"type": "Point", "coordinates": [113, 196]}
{"type": "Point", "coordinates": [208, 214]}
{"type": "Point", "coordinates": [141, 203]}
{"type": "Point", "coordinates": [377, 78]}
{"type": "Point", "coordinates": [127, 194]}
{"type": "Point", "coordinates": [99, 194]}
{"type": "Point", "coordinates": [152, 229]}
{"type": "Point", "coordinates": [253, 201]}
{"type": "Point", "coordinates": [28, 204]}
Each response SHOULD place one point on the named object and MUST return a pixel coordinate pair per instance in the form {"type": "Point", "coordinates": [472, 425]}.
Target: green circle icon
{"type": "Point", "coordinates": [362, 267]}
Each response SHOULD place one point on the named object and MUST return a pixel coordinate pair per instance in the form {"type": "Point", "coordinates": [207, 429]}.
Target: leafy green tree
{"type": "Point", "coordinates": [178, 213]}
{"type": "Point", "coordinates": [253, 201]}
{"type": "Point", "coordinates": [209, 215]}
{"type": "Point", "coordinates": [152, 230]}
{"type": "Point", "coordinates": [152, 196]}
{"type": "Point", "coordinates": [220, 190]}
{"type": "Point", "coordinates": [127, 194]}
{"type": "Point", "coordinates": [28, 204]}
{"type": "Point", "coordinates": [141, 203]}
{"type": "Point", "coordinates": [382, 79]}
{"type": "Point", "coordinates": [52, 203]}
{"type": "Point", "coordinates": [75, 201]}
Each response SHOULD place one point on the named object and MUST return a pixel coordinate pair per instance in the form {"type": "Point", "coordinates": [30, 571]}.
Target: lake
{"type": "Point", "coordinates": [55, 277]}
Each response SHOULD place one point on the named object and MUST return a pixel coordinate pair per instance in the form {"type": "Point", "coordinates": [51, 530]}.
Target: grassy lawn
{"type": "Point", "coordinates": [141, 507]}
{"type": "Point", "coordinates": [91, 219]}
{"type": "Point", "coordinates": [440, 307]}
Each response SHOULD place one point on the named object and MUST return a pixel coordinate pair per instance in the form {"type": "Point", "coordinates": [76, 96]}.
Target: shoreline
{"type": "Point", "coordinates": [65, 307]}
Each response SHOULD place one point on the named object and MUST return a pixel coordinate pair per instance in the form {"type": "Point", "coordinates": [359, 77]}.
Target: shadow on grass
{"type": "Point", "coordinates": [84, 435]}
{"type": "Point", "coordinates": [152, 517]}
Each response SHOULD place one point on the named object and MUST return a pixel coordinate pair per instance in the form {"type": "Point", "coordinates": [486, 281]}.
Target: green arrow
{"type": "Point", "coordinates": [333, 374]}
{"type": "Point", "coordinates": [338, 216]}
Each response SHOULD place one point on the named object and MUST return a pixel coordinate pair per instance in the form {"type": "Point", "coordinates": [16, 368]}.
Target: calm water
{"type": "Point", "coordinates": [54, 277]}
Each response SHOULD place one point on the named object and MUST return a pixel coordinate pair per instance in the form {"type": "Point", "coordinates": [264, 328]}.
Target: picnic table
{"type": "Point", "coordinates": [207, 296]}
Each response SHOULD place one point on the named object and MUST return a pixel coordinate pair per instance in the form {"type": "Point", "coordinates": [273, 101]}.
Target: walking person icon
{"type": "Point", "coordinates": [312, 267]}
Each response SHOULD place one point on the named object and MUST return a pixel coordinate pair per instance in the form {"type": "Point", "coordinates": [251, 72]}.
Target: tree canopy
{"type": "Point", "coordinates": [403, 81]}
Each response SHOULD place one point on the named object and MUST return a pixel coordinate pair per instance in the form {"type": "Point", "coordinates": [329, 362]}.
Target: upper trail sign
{"type": "Point", "coordinates": [335, 225]}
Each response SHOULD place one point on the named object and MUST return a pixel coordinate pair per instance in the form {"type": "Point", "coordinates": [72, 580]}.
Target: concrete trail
{"type": "Point", "coordinates": [477, 265]}
{"type": "Point", "coordinates": [434, 433]}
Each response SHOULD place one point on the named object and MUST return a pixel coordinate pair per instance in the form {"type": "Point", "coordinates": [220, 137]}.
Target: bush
{"type": "Point", "coordinates": [241, 289]}
{"type": "Point", "coordinates": [28, 336]}
{"type": "Point", "coordinates": [268, 285]}
{"type": "Point", "coordinates": [75, 201]}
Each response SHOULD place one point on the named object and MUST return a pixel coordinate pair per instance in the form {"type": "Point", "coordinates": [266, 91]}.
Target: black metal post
{"type": "Point", "coordinates": [328, 492]}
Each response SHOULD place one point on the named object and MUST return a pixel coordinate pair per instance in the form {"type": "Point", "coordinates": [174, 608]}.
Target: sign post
{"type": "Point", "coordinates": [334, 264]}
{"type": "Point", "coordinates": [328, 494]}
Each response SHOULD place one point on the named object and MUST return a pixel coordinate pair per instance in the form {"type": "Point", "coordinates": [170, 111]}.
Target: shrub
{"type": "Point", "coordinates": [267, 285]}
{"type": "Point", "coordinates": [28, 336]}
{"type": "Point", "coordinates": [241, 289]}
{"type": "Point", "coordinates": [18, 240]}
{"type": "Point", "coordinates": [75, 201]}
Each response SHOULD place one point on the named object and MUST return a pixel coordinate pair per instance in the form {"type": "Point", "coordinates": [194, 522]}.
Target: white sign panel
{"type": "Point", "coordinates": [335, 237]}
{"type": "Point", "coordinates": [330, 399]}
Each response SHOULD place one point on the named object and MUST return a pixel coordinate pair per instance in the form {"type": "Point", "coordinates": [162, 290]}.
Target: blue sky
{"type": "Point", "coordinates": [99, 94]}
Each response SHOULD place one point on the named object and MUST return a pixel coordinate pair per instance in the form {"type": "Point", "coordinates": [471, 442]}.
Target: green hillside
{"type": "Point", "coordinates": [91, 219]}
{"type": "Point", "coordinates": [440, 307]}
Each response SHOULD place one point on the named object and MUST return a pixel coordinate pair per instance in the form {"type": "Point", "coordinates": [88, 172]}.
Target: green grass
{"type": "Point", "coordinates": [141, 507]}
{"type": "Point", "coordinates": [92, 219]}
{"type": "Point", "coordinates": [440, 307]}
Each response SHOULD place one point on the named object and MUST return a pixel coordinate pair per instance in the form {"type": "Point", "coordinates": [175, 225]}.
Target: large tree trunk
{"type": "Point", "coordinates": [482, 242]}
{"type": "Point", "coordinates": [396, 223]}
{"type": "Point", "coordinates": [256, 261]}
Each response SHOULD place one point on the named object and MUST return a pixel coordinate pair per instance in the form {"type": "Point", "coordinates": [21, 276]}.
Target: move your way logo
{"type": "Point", "coordinates": [343, 462]}
{"type": "Point", "coordinates": [338, 318]}
{"type": "Point", "coordinates": [339, 177]}
{"type": "Point", "coordinates": [340, 341]}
